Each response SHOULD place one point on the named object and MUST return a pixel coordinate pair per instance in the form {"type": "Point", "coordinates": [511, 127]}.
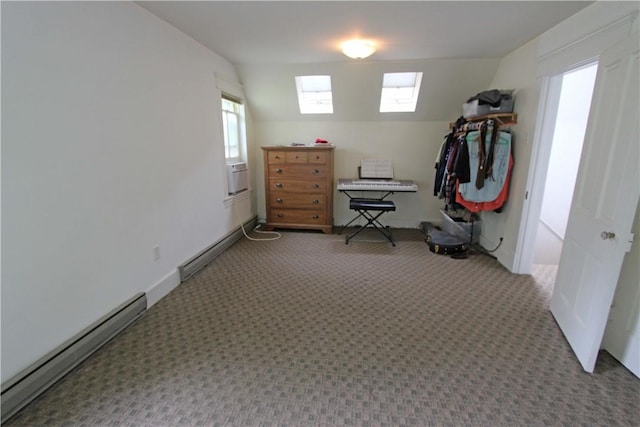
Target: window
{"type": "Point", "coordinates": [400, 92]}
{"type": "Point", "coordinates": [314, 94]}
{"type": "Point", "coordinates": [233, 127]}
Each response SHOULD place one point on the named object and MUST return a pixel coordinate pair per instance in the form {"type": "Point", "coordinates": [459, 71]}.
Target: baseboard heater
{"type": "Point", "coordinates": [199, 261]}
{"type": "Point", "coordinates": [32, 381]}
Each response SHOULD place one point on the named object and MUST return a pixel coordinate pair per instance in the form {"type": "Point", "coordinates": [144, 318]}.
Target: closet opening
{"type": "Point", "coordinates": [564, 128]}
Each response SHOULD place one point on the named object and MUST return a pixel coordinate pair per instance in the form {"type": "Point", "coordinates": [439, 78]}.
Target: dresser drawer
{"type": "Point", "coordinates": [298, 185]}
{"type": "Point", "coordinates": [298, 171]}
{"type": "Point", "coordinates": [318, 158]}
{"type": "Point", "coordinates": [294, 200]}
{"type": "Point", "coordinates": [276, 157]}
{"type": "Point", "coordinates": [298, 216]}
{"type": "Point", "coordinates": [297, 157]}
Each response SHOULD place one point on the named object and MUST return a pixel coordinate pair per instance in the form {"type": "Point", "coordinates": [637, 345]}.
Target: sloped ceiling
{"type": "Point", "coordinates": [457, 45]}
{"type": "Point", "coordinates": [446, 83]}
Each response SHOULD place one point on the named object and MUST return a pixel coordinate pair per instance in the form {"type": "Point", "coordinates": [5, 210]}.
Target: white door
{"type": "Point", "coordinates": [622, 335]}
{"type": "Point", "coordinates": [604, 202]}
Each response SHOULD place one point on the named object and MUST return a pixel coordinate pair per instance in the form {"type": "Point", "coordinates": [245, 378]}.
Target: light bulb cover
{"type": "Point", "coordinates": [358, 49]}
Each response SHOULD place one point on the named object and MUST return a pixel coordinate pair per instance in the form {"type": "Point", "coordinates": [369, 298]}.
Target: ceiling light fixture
{"type": "Point", "coordinates": [358, 49]}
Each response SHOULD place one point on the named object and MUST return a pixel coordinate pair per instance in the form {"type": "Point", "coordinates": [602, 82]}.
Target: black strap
{"type": "Point", "coordinates": [481, 157]}
{"type": "Point", "coordinates": [488, 165]}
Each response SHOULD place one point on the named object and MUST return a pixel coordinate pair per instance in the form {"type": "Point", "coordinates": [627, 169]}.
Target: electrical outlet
{"type": "Point", "coordinates": [156, 252]}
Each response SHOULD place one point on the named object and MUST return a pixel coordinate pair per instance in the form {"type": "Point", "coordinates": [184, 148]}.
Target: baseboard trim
{"type": "Point", "coordinates": [162, 288]}
{"type": "Point", "coordinates": [200, 260]}
{"type": "Point", "coordinates": [35, 379]}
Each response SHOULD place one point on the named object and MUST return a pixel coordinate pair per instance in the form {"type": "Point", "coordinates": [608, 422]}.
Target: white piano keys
{"type": "Point", "coordinates": [376, 185]}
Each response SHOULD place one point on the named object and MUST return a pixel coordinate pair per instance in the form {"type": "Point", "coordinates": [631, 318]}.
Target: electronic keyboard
{"type": "Point", "coordinates": [376, 185]}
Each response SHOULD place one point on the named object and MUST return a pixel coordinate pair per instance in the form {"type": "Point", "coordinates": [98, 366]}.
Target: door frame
{"type": "Point", "coordinates": [537, 176]}
{"type": "Point", "coordinates": [550, 91]}
{"type": "Point", "coordinates": [553, 60]}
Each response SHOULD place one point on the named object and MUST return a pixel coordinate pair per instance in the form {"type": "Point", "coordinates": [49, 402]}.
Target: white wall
{"type": "Point", "coordinates": [111, 144]}
{"type": "Point", "coordinates": [359, 130]}
{"type": "Point", "coordinates": [516, 71]}
{"type": "Point", "coordinates": [356, 87]}
{"type": "Point", "coordinates": [548, 246]}
{"type": "Point", "coordinates": [412, 146]}
{"type": "Point", "coordinates": [579, 39]}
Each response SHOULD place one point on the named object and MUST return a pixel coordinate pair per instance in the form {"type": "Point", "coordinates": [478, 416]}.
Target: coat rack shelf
{"type": "Point", "coordinates": [503, 119]}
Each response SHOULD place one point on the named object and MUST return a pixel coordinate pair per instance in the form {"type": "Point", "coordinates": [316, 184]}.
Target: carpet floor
{"type": "Point", "coordinates": [309, 331]}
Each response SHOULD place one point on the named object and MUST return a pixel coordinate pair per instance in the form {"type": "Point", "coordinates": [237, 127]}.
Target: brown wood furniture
{"type": "Point", "coordinates": [299, 187]}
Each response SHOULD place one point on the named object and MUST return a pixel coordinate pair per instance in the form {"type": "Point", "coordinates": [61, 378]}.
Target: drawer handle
{"type": "Point", "coordinates": [316, 201]}
{"type": "Point", "coordinates": [297, 157]}
{"type": "Point", "coordinates": [276, 157]}
{"type": "Point", "coordinates": [278, 170]}
{"type": "Point", "coordinates": [279, 200]}
{"type": "Point", "coordinates": [316, 171]}
{"type": "Point", "coordinates": [316, 216]}
{"type": "Point", "coordinates": [316, 185]}
{"type": "Point", "coordinates": [279, 184]}
{"type": "Point", "coordinates": [279, 215]}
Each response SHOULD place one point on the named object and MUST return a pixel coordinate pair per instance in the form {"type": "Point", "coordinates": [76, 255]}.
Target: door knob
{"type": "Point", "coordinates": [607, 235]}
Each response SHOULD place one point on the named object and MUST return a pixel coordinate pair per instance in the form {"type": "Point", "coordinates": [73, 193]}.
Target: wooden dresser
{"type": "Point", "coordinates": [299, 187]}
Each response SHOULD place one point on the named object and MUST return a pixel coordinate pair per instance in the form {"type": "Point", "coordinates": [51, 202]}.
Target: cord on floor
{"type": "Point", "coordinates": [276, 237]}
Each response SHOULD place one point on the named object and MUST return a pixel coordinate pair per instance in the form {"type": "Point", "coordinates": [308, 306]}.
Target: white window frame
{"type": "Point", "coordinates": [314, 94]}
{"type": "Point", "coordinates": [234, 139]}
{"type": "Point", "coordinates": [400, 92]}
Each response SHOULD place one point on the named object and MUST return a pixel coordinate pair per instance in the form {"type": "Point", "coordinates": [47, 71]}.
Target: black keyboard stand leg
{"type": "Point", "coordinates": [349, 223]}
{"type": "Point", "coordinates": [374, 223]}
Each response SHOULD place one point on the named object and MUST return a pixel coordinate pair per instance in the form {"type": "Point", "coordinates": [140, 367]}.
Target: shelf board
{"type": "Point", "coordinates": [504, 119]}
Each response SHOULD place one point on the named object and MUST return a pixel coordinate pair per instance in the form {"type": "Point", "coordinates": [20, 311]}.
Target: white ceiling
{"type": "Point", "coordinates": [456, 45]}
{"type": "Point", "coordinates": [280, 32]}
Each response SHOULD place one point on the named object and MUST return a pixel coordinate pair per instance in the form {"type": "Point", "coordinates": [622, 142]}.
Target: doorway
{"type": "Point", "coordinates": [564, 126]}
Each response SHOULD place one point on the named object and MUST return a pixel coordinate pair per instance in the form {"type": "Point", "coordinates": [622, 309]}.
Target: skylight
{"type": "Point", "coordinates": [314, 94]}
{"type": "Point", "coordinates": [400, 92]}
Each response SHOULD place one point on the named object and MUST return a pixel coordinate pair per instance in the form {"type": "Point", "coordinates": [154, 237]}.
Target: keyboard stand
{"type": "Point", "coordinates": [365, 207]}
{"type": "Point", "coordinates": [372, 208]}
